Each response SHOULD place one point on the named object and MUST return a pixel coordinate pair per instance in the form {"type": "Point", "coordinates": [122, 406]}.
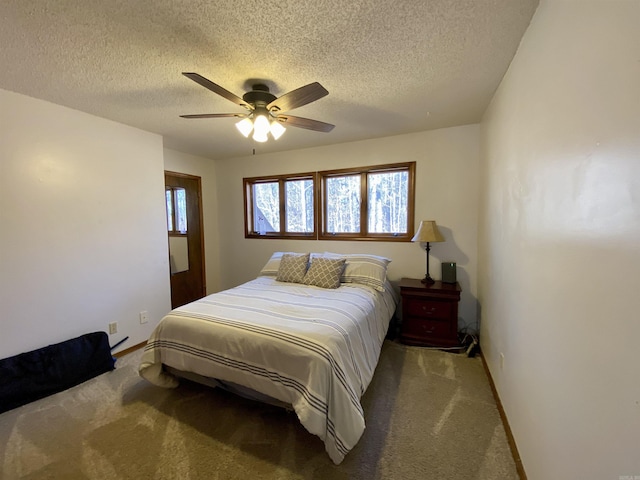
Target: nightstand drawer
{"type": "Point", "coordinates": [429, 313]}
{"type": "Point", "coordinates": [428, 308]}
{"type": "Point", "coordinates": [426, 328]}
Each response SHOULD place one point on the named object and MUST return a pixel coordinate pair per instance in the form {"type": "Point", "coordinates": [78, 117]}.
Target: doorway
{"type": "Point", "coordinates": [183, 195]}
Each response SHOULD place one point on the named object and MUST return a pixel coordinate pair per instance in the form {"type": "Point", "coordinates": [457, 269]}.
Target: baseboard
{"type": "Point", "coordinates": [129, 350]}
{"type": "Point", "coordinates": [510, 439]}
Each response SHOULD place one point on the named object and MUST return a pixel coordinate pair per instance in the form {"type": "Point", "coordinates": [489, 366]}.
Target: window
{"type": "Point", "coordinates": [368, 203]}
{"type": "Point", "coordinates": [281, 206]}
{"type": "Point", "coordinates": [372, 203]}
{"type": "Point", "coordinates": [176, 209]}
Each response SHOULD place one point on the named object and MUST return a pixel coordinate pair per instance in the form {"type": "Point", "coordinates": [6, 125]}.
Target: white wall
{"type": "Point", "coordinates": [446, 191]}
{"type": "Point", "coordinates": [204, 168]}
{"type": "Point", "coordinates": [83, 235]}
{"type": "Point", "coordinates": [559, 242]}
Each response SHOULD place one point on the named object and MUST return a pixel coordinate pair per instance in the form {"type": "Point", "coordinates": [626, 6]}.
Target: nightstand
{"type": "Point", "coordinates": [429, 313]}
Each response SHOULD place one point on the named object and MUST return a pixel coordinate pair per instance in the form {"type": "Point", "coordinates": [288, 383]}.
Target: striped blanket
{"type": "Point", "coordinates": [313, 348]}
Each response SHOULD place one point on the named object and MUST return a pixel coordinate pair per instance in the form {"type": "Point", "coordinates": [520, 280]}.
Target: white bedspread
{"type": "Point", "coordinates": [313, 348]}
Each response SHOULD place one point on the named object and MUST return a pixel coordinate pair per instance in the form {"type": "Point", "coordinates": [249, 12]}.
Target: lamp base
{"type": "Point", "coordinates": [427, 280]}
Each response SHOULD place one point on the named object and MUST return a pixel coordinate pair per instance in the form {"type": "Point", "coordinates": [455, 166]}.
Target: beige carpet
{"type": "Point", "coordinates": [430, 415]}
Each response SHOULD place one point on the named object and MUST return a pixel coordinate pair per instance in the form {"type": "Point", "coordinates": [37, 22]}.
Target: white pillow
{"type": "Point", "coordinates": [365, 269]}
{"type": "Point", "coordinates": [270, 269]}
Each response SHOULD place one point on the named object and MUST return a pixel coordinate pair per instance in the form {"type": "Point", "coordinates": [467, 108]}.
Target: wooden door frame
{"type": "Point", "coordinates": [199, 182]}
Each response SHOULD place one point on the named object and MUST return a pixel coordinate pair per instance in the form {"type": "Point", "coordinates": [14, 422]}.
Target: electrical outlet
{"type": "Point", "coordinates": [113, 328]}
{"type": "Point", "coordinates": [144, 316]}
{"type": "Point", "coordinates": [501, 360]}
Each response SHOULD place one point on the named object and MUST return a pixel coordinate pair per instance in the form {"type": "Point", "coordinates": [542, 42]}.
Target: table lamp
{"type": "Point", "coordinates": [428, 232]}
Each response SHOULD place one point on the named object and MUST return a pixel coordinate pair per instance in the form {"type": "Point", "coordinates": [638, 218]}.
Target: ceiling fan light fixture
{"type": "Point", "coordinates": [264, 107]}
{"type": "Point", "coordinates": [260, 138]}
{"type": "Point", "coordinates": [261, 128]}
{"type": "Point", "coordinates": [277, 129]}
{"type": "Point", "coordinates": [245, 126]}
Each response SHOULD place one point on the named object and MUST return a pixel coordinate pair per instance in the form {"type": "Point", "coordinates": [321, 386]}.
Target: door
{"type": "Point", "coordinates": [183, 195]}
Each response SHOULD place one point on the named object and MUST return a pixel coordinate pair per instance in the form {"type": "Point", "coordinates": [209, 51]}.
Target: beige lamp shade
{"type": "Point", "coordinates": [428, 232]}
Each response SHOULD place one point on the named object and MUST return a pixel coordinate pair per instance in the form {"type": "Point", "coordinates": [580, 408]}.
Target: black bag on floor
{"type": "Point", "coordinates": [39, 373]}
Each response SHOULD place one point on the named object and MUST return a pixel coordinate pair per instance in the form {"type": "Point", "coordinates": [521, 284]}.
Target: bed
{"type": "Point", "coordinates": [291, 343]}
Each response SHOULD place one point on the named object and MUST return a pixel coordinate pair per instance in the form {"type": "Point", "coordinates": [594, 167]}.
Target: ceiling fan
{"type": "Point", "coordinates": [265, 108]}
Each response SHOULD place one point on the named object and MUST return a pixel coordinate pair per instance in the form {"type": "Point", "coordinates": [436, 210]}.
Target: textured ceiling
{"type": "Point", "coordinates": [390, 67]}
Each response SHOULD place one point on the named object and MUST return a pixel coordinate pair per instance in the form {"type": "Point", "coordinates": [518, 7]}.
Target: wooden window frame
{"type": "Point", "coordinates": [319, 204]}
{"type": "Point", "coordinates": [363, 172]}
{"type": "Point", "coordinates": [248, 184]}
{"type": "Point", "coordinates": [173, 232]}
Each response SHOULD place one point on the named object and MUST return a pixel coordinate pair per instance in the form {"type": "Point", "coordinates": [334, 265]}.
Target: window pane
{"type": "Point", "coordinates": [343, 204]}
{"type": "Point", "coordinates": [388, 201]}
{"type": "Point", "coordinates": [169, 209]}
{"type": "Point", "coordinates": [266, 207]}
{"type": "Point", "coordinates": [299, 206]}
{"type": "Point", "coordinates": [181, 209]}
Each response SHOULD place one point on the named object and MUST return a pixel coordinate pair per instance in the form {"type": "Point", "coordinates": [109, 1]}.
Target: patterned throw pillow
{"type": "Point", "coordinates": [324, 272]}
{"type": "Point", "coordinates": [293, 267]}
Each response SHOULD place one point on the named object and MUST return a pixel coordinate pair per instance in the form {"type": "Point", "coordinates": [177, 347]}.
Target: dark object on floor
{"type": "Point", "coordinates": [33, 375]}
{"type": "Point", "coordinates": [119, 343]}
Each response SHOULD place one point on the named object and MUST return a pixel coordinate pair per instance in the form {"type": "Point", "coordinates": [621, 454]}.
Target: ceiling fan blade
{"type": "Point", "coordinates": [215, 88]}
{"type": "Point", "coordinates": [298, 97]}
{"type": "Point", "coordinates": [216, 115]}
{"type": "Point", "coordinates": [291, 121]}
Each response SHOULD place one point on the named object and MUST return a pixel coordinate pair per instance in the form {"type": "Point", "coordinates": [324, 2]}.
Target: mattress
{"type": "Point", "coordinates": [312, 348]}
